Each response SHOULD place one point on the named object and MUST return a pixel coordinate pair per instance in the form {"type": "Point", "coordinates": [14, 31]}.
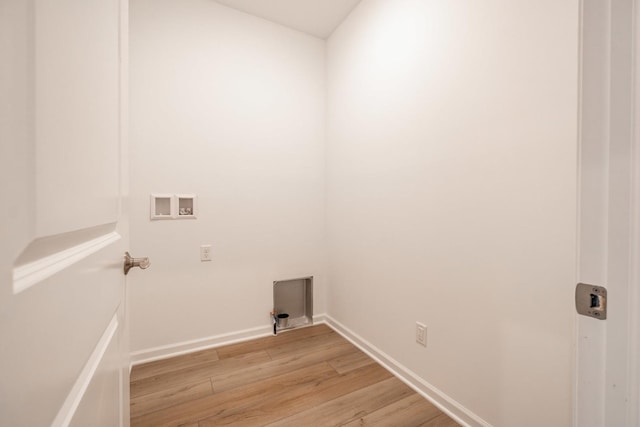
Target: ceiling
{"type": "Point", "coordinates": [316, 17]}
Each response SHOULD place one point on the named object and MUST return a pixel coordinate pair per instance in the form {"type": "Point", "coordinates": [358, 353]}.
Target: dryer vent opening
{"type": "Point", "coordinates": [295, 298]}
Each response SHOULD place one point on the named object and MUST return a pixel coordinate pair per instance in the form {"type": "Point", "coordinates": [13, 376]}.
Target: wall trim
{"type": "Point", "coordinates": [71, 403]}
{"type": "Point", "coordinates": [171, 350]}
{"type": "Point", "coordinates": [166, 351]}
{"type": "Point", "coordinates": [445, 403]}
{"type": "Point", "coordinates": [35, 272]}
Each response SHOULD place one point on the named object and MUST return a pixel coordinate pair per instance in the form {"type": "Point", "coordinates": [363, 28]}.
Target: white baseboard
{"type": "Point", "coordinates": [445, 403]}
{"type": "Point", "coordinates": [172, 350]}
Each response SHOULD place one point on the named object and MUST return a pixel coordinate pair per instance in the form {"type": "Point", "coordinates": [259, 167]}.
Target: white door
{"type": "Point", "coordinates": [607, 356]}
{"type": "Point", "coordinates": [63, 340]}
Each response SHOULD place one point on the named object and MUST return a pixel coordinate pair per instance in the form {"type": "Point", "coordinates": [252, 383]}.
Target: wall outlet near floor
{"type": "Point", "coordinates": [205, 252]}
{"type": "Point", "coordinates": [421, 334]}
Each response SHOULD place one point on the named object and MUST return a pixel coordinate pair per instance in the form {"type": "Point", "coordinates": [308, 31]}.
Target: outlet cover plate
{"type": "Point", "coordinates": [205, 253]}
{"type": "Point", "coordinates": [421, 334]}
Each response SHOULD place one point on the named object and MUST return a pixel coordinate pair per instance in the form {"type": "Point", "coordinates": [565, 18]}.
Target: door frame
{"type": "Point", "coordinates": [607, 366]}
{"type": "Point", "coordinates": [124, 209]}
{"type": "Point", "coordinates": [634, 333]}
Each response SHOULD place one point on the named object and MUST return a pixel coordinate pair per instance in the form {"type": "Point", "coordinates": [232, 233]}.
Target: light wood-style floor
{"type": "Point", "coordinates": [304, 377]}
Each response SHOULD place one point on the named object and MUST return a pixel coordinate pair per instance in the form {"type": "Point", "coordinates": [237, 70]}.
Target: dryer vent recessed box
{"type": "Point", "coordinates": [294, 297]}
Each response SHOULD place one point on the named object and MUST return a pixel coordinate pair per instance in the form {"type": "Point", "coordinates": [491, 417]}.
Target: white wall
{"type": "Point", "coordinates": [451, 196]}
{"type": "Point", "coordinates": [229, 107]}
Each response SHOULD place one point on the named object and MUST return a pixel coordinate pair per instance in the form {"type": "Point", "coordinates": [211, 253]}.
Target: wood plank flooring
{"type": "Point", "coordinates": [304, 377]}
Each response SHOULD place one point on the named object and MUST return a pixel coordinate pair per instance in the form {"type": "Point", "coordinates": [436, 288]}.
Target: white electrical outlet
{"type": "Point", "coordinates": [205, 252]}
{"type": "Point", "coordinates": [421, 334]}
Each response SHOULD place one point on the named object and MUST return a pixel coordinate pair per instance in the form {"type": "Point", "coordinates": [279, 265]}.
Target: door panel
{"type": "Point", "coordinates": [63, 343]}
{"type": "Point", "coordinates": [76, 72]}
{"type": "Point", "coordinates": [98, 404]}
